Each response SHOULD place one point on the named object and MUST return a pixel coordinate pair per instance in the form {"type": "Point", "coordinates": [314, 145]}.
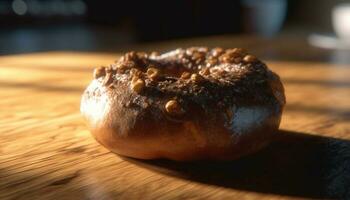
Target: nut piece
{"type": "Point", "coordinates": [185, 75]}
{"type": "Point", "coordinates": [211, 62]}
{"type": "Point", "coordinates": [198, 57]}
{"type": "Point", "coordinates": [228, 57]}
{"type": "Point", "coordinates": [217, 51]}
{"type": "Point", "coordinates": [204, 72]}
{"type": "Point", "coordinates": [121, 66]}
{"type": "Point", "coordinates": [154, 54]}
{"type": "Point", "coordinates": [135, 72]}
{"type": "Point", "coordinates": [108, 79]}
{"type": "Point", "coordinates": [190, 51]}
{"type": "Point", "coordinates": [130, 56]}
{"type": "Point", "coordinates": [240, 51]}
{"type": "Point", "coordinates": [153, 73]}
{"type": "Point", "coordinates": [196, 78]}
{"type": "Point", "coordinates": [141, 55]}
{"type": "Point", "coordinates": [99, 72]}
{"type": "Point", "coordinates": [249, 58]}
{"type": "Point", "coordinates": [174, 108]}
{"type": "Point", "coordinates": [137, 84]}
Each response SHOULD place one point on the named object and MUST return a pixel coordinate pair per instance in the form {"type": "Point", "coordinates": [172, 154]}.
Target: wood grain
{"type": "Point", "coordinates": [46, 152]}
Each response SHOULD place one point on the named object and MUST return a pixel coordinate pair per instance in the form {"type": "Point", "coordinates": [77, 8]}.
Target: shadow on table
{"type": "Point", "coordinates": [295, 164]}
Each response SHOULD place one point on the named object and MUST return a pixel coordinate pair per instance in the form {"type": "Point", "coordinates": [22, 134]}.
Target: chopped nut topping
{"type": "Point", "coordinates": [135, 72]}
{"type": "Point", "coordinates": [108, 79]}
{"type": "Point", "coordinates": [174, 108]}
{"type": "Point", "coordinates": [226, 58]}
{"type": "Point", "coordinates": [154, 53]}
{"type": "Point", "coordinates": [141, 55]}
{"type": "Point", "coordinates": [231, 56]}
{"type": "Point", "coordinates": [185, 75]}
{"type": "Point", "coordinates": [130, 56]}
{"type": "Point", "coordinates": [137, 84]}
{"type": "Point", "coordinates": [109, 69]}
{"type": "Point", "coordinates": [196, 78]}
{"type": "Point", "coordinates": [198, 56]}
{"type": "Point", "coordinates": [153, 73]}
{"type": "Point", "coordinates": [240, 51]}
{"type": "Point", "coordinates": [187, 70]}
{"type": "Point", "coordinates": [211, 62]}
{"type": "Point", "coordinates": [99, 72]}
{"type": "Point", "coordinates": [204, 71]}
{"type": "Point", "coordinates": [249, 58]}
{"type": "Point", "coordinates": [190, 51]}
{"type": "Point", "coordinates": [121, 66]}
{"type": "Point", "coordinates": [217, 52]}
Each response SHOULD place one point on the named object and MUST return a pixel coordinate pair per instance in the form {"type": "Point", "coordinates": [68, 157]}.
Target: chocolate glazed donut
{"type": "Point", "coordinates": [187, 104]}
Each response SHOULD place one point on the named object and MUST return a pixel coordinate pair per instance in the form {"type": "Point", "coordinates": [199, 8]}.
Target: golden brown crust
{"type": "Point", "coordinates": [186, 104]}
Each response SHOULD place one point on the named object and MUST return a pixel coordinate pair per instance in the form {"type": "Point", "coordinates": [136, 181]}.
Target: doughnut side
{"type": "Point", "coordinates": [127, 124]}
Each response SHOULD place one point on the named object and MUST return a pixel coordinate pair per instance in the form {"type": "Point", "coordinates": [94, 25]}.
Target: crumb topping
{"type": "Point", "coordinates": [208, 76]}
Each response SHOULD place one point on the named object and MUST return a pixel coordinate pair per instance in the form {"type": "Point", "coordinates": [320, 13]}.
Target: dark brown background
{"type": "Point", "coordinates": [115, 25]}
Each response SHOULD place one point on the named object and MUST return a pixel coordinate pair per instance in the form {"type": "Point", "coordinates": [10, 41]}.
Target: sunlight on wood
{"type": "Point", "coordinates": [47, 152]}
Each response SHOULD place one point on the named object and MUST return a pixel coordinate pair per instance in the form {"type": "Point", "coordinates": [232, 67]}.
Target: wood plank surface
{"type": "Point", "coordinates": [46, 152]}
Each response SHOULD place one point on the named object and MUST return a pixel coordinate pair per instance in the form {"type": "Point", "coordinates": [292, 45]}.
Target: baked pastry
{"type": "Point", "coordinates": [187, 104]}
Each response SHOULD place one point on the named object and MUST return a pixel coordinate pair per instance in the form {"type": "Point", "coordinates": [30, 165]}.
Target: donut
{"type": "Point", "coordinates": [186, 104]}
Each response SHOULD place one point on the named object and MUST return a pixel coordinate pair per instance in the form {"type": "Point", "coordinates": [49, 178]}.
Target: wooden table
{"type": "Point", "coordinates": [46, 152]}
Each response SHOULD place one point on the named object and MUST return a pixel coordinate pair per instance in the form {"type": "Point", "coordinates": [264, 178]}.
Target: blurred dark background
{"type": "Point", "coordinates": [110, 25]}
